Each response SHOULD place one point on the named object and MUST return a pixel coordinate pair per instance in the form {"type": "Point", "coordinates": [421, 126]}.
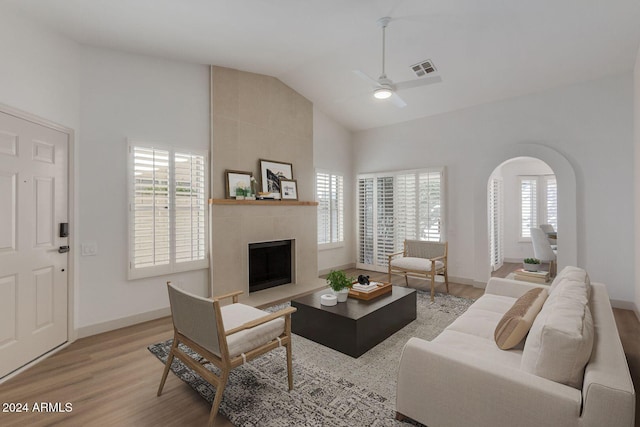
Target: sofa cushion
{"type": "Point", "coordinates": [571, 273]}
{"type": "Point", "coordinates": [479, 348]}
{"type": "Point", "coordinates": [516, 322]}
{"type": "Point", "coordinates": [560, 340]}
{"type": "Point", "coordinates": [411, 263]}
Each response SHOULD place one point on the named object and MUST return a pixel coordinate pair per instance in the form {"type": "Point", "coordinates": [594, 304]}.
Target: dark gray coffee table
{"type": "Point", "coordinates": [355, 326]}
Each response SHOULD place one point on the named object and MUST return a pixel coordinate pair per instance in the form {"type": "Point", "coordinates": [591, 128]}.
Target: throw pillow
{"type": "Point", "coordinates": [517, 321]}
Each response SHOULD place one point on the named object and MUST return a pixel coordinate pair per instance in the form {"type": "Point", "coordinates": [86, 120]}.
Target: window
{"type": "Point", "coordinates": [496, 223]}
{"type": "Point", "coordinates": [330, 198]}
{"type": "Point", "coordinates": [167, 210]}
{"type": "Point", "coordinates": [538, 202]}
{"type": "Point", "coordinates": [396, 206]}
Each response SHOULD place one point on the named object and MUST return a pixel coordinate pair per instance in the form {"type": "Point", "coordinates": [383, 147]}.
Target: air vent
{"type": "Point", "coordinates": [423, 68]}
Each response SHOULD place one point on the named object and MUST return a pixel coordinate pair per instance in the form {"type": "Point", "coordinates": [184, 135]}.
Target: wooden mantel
{"type": "Point", "coordinates": [261, 202]}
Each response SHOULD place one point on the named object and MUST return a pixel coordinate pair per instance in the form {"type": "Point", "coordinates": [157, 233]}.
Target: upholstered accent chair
{"type": "Point", "coordinates": [225, 336]}
{"type": "Point", "coordinates": [421, 259]}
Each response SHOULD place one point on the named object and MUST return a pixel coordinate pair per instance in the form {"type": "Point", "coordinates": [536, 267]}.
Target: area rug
{"type": "Point", "coordinates": [330, 388]}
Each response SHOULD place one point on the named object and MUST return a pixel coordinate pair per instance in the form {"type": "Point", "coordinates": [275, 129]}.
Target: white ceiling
{"type": "Point", "coordinates": [484, 50]}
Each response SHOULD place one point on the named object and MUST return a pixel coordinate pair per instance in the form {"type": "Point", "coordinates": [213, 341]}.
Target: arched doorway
{"type": "Point", "coordinates": [567, 196]}
{"type": "Point", "coordinates": [521, 194]}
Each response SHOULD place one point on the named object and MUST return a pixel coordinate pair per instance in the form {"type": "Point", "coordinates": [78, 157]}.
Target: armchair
{"type": "Point", "coordinates": [421, 259]}
{"type": "Point", "coordinates": [225, 336]}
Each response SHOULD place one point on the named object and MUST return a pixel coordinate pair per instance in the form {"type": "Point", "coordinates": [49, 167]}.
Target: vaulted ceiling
{"type": "Point", "coordinates": [483, 50]}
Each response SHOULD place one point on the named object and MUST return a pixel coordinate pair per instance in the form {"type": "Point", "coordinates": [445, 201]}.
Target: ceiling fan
{"type": "Point", "coordinates": [383, 87]}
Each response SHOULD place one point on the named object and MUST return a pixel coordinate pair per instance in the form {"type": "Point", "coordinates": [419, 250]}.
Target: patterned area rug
{"type": "Point", "coordinates": [330, 388]}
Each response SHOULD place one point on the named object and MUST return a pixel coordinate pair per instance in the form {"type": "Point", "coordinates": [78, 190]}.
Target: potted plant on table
{"type": "Point", "coordinates": [340, 284]}
{"type": "Point", "coordinates": [531, 264]}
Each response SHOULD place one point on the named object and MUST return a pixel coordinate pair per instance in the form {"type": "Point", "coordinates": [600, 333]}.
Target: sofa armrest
{"type": "Point", "coordinates": [438, 386]}
{"type": "Point", "coordinates": [509, 288]}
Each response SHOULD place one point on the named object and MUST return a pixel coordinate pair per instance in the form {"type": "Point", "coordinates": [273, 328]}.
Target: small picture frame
{"type": "Point", "coordinates": [289, 189]}
{"type": "Point", "coordinates": [237, 180]}
{"type": "Point", "coordinates": [271, 172]}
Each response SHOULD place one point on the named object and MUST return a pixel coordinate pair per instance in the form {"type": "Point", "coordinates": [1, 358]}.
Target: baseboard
{"type": "Point", "coordinates": [110, 325]}
{"type": "Point", "coordinates": [338, 267]}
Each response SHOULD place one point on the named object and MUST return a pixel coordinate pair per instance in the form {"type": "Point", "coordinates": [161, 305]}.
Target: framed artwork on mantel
{"type": "Point", "coordinates": [289, 189]}
{"type": "Point", "coordinates": [237, 180]}
{"type": "Point", "coordinates": [271, 173]}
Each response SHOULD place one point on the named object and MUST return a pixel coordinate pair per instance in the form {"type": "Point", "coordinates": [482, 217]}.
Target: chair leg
{"type": "Point", "coordinates": [167, 366]}
{"type": "Point", "coordinates": [406, 279]}
{"type": "Point", "coordinates": [389, 269]}
{"type": "Point", "coordinates": [433, 287]}
{"type": "Point", "coordinates": [446, 279]}
{"type": "Point", "coordinates": [218, 398]}
{"type": "Point", "coordinates": [289, 365]}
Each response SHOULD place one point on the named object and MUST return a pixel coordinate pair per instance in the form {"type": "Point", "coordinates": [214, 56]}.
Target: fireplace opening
{"type": "Point", "coordinates": [270, 264]}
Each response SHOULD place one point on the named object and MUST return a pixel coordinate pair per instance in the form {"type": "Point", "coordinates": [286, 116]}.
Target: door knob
{"type": "Point", "coordinates": [63, 249]}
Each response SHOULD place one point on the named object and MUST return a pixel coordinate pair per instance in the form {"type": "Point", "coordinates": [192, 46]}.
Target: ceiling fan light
{"type": "Point", "coordinates": [382, 93]}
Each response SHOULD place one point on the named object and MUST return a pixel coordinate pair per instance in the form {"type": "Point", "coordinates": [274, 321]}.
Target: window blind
{"type": "Point", "coordinates": [496, 227]}
{"type": "Point", "coordinates": [528, 205]}
{"type": "Point", "coordinates": [551, 197]}
{"type": "Point", "coordinates": [190, 207]}
{"type": "Point", "coordinates": [168, 205]}
{"type": "Point", "coordinates": [151, 230]}
{"type": "Point", "coordinates": [395, 206]}
{"type": "Point", "coordinates": [330, 198]}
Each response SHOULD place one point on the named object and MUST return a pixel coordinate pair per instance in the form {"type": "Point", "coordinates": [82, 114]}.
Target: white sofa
{"type": "Point", "coordinates": [462, 378]}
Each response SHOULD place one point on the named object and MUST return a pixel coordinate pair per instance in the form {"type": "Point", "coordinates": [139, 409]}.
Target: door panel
{"type": "Point", "coordinates": [33, 275]}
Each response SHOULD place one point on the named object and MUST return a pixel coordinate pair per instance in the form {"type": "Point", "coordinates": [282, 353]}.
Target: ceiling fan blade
{"type": "Point", "coordinates": [418, 82]}
{"type": "Point", "coordinates": [366, 77]}
{"type": "Point", "coordinates": [397, 101]}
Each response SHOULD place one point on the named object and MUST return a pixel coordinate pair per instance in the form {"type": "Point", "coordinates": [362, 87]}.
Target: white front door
{"type": "Point", "coordinates": [33, 273]}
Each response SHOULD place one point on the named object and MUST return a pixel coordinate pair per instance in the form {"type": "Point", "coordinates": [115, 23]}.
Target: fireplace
{"type": "Point", "coordinates": [270, 264]}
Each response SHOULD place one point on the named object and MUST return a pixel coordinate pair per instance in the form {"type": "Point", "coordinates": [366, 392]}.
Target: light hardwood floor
{"type": "Point", "coordinates": [111, 379]}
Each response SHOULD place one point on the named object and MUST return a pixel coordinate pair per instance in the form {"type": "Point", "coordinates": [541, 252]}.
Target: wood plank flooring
{"type": "Point", "coordinates": [111, 379]}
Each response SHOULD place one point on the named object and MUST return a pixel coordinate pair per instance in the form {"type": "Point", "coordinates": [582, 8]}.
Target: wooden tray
{"type": "Point", "coordinates": [385, 288]}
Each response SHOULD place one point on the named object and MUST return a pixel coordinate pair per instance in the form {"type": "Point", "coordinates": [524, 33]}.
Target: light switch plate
{"type": "Point", "coordinates": [89, 249]}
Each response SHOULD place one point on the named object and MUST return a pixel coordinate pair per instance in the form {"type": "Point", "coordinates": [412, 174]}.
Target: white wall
{"type": "Point", "coordinates": [124, 95]}
{"type": "Point", "coordinates": [515, 249]}
{"type": "Point", "coordinates": [39, 72]}
{"type": "Point", "coordinates": [590, 124]}
{"type": "Point", "coordinates": [39, 75]}
{"type": "Point", "coordinates": [332, 151]}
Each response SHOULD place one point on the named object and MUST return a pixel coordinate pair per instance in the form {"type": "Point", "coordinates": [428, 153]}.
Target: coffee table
{"type": "Point", "coordinates": [355, 326]}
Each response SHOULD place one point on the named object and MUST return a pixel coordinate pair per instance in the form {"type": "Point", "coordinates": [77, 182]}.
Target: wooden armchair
{"type": "Point", "coordinates": [421, 259]}
{"type": "Point", "coordinates": [225, 336]}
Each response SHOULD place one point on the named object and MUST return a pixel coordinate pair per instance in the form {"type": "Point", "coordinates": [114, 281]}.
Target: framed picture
{"type": "Point", "coordinates": [289, 189]}
{"type": "Point", "coordinates": [237, 180]}
{"type": "Point", "coordinates": [271, 173]}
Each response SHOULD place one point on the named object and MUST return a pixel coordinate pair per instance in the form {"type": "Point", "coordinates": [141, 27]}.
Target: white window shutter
{"type": "Point", "coordinates": [385, 230]}
{"type": "Point", "coordinates": [431, 206]}
{"type": "Point", "coordinates": [528, 205]}
{"type": "Point", "coordinates": [365, 221]}
{"type": "Point", "coordinates": [168, 211]}
{"type": "Point", "coordinates": [151, 228]}
{"type": "Point", "coordinates": [396, 206]}
{"type": "Point", "coordinates": [190, 207]}
{"type": "Point", "coordinates": [496, 227]}
{"type": "Point", "coordinates": [324, 207]}
{"type": "Point", "coordinates": [551, 196]}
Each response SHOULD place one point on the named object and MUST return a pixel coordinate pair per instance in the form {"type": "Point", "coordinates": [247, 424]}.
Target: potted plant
{"type": "Point", "coordinates": [531, 264]}
{"type": "Point", "coordinates": [340, 284]}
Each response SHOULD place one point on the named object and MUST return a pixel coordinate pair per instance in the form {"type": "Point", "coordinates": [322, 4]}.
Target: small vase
{"type": "Point", "coordinates": [530, 267]}
{"type": "Point", "coordinates": [342, 295]}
